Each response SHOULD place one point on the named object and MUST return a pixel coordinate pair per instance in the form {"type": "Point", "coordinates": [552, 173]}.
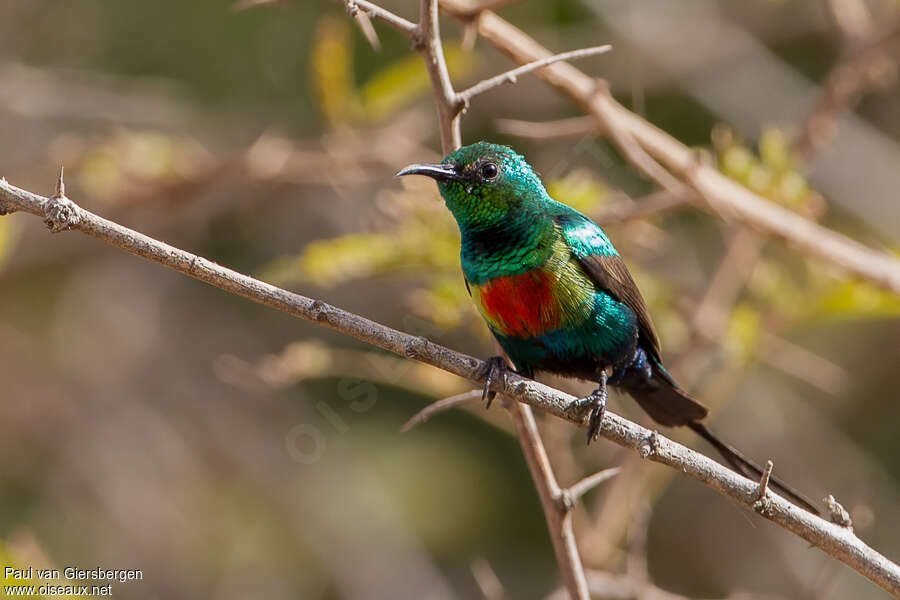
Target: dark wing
{"type": "Point", "coordinates": [606, 268]}
{"type": "Point", "coordinates": [611, 274]}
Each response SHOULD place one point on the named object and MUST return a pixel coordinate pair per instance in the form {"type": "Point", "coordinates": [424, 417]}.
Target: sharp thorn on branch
{"type": "Point", "coordinates": [60, 183]}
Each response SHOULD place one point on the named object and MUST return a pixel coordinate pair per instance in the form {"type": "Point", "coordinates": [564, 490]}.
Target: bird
{"type": "Point", "coordinates": [557, 296]}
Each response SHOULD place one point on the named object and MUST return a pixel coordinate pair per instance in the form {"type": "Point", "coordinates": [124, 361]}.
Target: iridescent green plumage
{"type": "Point", "coordinates": [553, 289]}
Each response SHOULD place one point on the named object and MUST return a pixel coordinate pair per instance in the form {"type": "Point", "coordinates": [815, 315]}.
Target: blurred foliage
{"type": "Point", "coordinates": [7, 239]}
{"type": "Point", "coordinates": [742, 336]}
{"type": "Point", "coordinates": [798, 290]}
{"type": "Point", "coordinates": [121, 164]}
{"type": "Point", "coordinates": [771, 172]}
{"type": "Point", "coordinates": [8, 558]}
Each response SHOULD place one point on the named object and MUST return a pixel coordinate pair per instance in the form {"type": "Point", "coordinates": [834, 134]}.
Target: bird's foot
{"type": "Point", "coordinates": [595, 405]}
{"type": "Point", "coordinates": [496, 368]}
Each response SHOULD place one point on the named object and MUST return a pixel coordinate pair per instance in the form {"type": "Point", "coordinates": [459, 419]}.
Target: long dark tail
{"type": "Point", "coordinates": [748, 468]}
{"type": "Point", "coordinates": [668, 405]}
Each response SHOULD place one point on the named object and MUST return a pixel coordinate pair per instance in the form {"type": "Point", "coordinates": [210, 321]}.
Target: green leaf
{"type": "Point", "coordinates": [859, 300]}
{"type": "Point", "coordinates": [8, 237]}
{"type": "Point", "coordinates": [332, 70]}
{"type": "Point", "coordinates": [743, 330]}
{"type": "Point", "coordinates": [406, 80]}
{"type": "Point", "coordinates": [580, 190]}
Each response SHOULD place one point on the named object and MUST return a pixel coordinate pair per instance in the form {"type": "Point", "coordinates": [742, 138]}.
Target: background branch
{"type": "Point", "coordinates": [559, 519]}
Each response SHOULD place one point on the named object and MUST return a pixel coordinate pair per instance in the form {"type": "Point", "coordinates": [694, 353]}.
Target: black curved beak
{"type": "Point", "coordinates": [438, 172]}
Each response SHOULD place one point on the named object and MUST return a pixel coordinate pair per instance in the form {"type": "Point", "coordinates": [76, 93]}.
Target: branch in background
{"type": "Point", "coordinates": [867, 66]}
{"type": "Point", "coordinates": [385, 16]}
{"type": "Point", "coordinates": [636, 155]}
{"type": "Point", "coordinates": [558, 515]}
{"type": "Point", "coordinates": [428, 40]}
{"type": "Point", "coordinates": [715, 191]}
{"type": "Point", "coordinates": [852, 18]}
{"type": "Point", "coordinates": [60, 214]}
{"type": "Point", "coordinates": [574, 492]}
{"type": "Point", "coordinates": [487, 580]}
{"type": "Point", "coordinates": [511, 76]}
{"type": "Point", "coordinates": [365, 24]}
{"type": "Point", "coordinates": [440, 406]}
{"type": "Point", "coordinates": [549, 130]}
{"type": "Point", "coordinates": [474, 11]}
{"type": "Point", "coordinates": [652, 204]}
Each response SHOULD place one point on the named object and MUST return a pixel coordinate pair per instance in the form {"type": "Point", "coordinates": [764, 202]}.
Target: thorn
{"type": "Point", "coordinates": [762, 491]}
{"type": "Point", "coordinates": [569, 496]}
{"type": "Point", "coordinates": [440, 406]}
{"type": "Point", "coordinates": [839, 515]}
{"type": "Point", "coordinates": [363, 20]}
{"type": "Point", "coordinates": [60, 183]}
{"type": "Point", "coordinates": [470, 35]}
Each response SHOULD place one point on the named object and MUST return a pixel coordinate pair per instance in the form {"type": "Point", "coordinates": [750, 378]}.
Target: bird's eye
{"type": "Point", "coordinates": [489, 170]}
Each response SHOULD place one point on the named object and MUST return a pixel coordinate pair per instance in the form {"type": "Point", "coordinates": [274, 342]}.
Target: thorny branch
{"type": "Point", "coordinates": [511, 76]}
{"type": "Point", "coordinates": [61, 214]}
{"type": "Point", "coordinates": [557, 513]}
{"type": "Point", "coordinates": [426, 38]}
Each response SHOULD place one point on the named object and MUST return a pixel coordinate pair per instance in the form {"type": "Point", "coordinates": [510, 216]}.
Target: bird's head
{"type": "Point", "coordinates": [483, 183]}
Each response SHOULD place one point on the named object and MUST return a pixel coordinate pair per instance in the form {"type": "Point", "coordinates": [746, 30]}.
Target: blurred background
{"type": "Point", "coordinates": [229, 451]}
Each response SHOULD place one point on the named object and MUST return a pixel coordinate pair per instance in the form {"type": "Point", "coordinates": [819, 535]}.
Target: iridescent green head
{"type": "Point", "coordinates": [484, 183]}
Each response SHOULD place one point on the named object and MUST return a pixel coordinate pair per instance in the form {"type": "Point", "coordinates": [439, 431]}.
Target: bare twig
{"type": "Point", "coordinates": [365, 24]}
{"type": "Point", "coordinates": [428, 39]}
{"type": "Point", "coordinates": [652, 204]}
{"type": "Point", "coordinates": [638, 530]}
{"type": "Point", "coordinates": [487, 580]}
{"type": "Point", "coordinates": [574, 492]}
{"type": "Point", "coordinates": [866, 66]}
{"type": "Point", "coordinates": [710, 317]}
{"type": "Point", "coordinates": [439, 407]}
{"type": "Point", "coordinates": [852, 18]}
{"type": "Point", "coordinates": [559, 518]}
{"type": "Point", "coordinates": [511, 76]}
{"type": "Point", "coordinates": [484, 5]}
{"type": "Point", "coordinates": [715, 191]}
{"type": "Point", "coordinates": [62, 214]}
{"type": "Point", "coordinates": [603, 107]}
{"type": "Point", "coordinates": [385, 16]}
{"type": "Point", "coordinates": [550, 130]}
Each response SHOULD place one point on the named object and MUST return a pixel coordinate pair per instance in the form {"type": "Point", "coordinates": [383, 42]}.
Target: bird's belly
{"type": "Point", "coordinates": [547, 323]}
{"type": "Point", "coordinates": [521, 306]}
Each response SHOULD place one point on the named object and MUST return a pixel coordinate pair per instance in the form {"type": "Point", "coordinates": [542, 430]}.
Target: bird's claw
{"type": "Point", "coordinates": [596, 408]}
{"type": "Point", "coordinates": [496, 367]}
{"type": "Point", "coordinates": [597, 400]}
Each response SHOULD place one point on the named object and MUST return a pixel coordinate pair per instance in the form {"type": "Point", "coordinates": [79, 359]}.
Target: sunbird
{"type": "Point", "coordinates": [557, 295]}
